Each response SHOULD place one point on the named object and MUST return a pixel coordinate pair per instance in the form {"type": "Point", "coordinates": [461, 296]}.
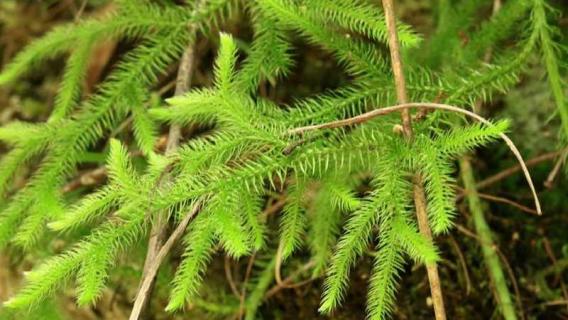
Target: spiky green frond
{"type": "Point", "coordinates": [11, 162]}
{"type": "Point", "coordinates": [552, 53]}
{"type": "Point", "coordinates": [360, 17]}
{"type": "Point", "coordinates": [293, 221]}
{"type": "Point", "coordinates": [342, 197]}
{"type": "Point", "coordinates": [120, 169]}
{"type": "Point", "coordinates": [44, 280]}
{"type": "Point", "coordinates": [17, 132]}
{"type": "Point", "coordinates": [64, 38]}
{"type": "Point", "coordinates": [69, 92]}
{"type": "Point", "coordinates": [197, 105]}
{"type": "Point", "coordinates": [382, 285]}
{"type": "Point", "coordinates": [144, 128]}
{"type": "Point", "coordinates": [87, 210]}
{"type": "Point", "coordinates": [251, 208]}
{"type": "Point", "coordinates": [496, 29]}
{"type": "Point", "coordinates": [462, 139]}
{"type": "Point", "coordinates": [224, 210]}
{"type": "Point", "coordinates": [324, 216]}
{"type": "Point", "coordinates": [389, 198]}
{"type": "Point", "coordinates": [270, 54]}
{"type": "Point", "coordinates": [264, 278]}
{"type": "Point", "coordinates": [97, 114]}
{"type": "Point", "coordinates": [359, 57]}
{"type": "Point", "coordinates": [415, 244]}
{"type": "Point", "coordinates": [42, 210]}
{"type": "Point", "coordinates": [92, 274]}
{"type": "Point", "coordinates": [440, 189]}
{"type": "Point", "coordinates": [53, 274]}
{"type": "Point", "coordinates": [225, 63]}
{"type": "Point", "coordinates": [199, 243]}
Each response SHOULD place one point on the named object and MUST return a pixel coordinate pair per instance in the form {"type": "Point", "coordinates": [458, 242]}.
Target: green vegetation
{"type": "Point", "coordinates": [347, 192]}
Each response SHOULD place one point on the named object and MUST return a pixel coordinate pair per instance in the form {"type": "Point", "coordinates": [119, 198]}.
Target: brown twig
{"type": "Point", "coordinates": [275, 207]}
{"type": "Point", "coordinates": [552, 257]}
{"type": "Point", "coordinates": [229, 277]}
{"type": "Point", "coordinates": [501, 200]}
{"type": "Point", "coordinates": [507, 201]}
{"type": "Point", "coordinates": [561, 160]}
{"type": "Point", "coordinates": [463, 264]}
{"type": "Point", "coordinates": [287, 283]}
{"type": "Point", "coordinates": [89, 178]}
{"type": "Point", "coordinates": [516, 168]}
{"type": "Point", "coordinates": [145, 290]}
{"type": "Point", "coordinates": [419, 194]}
{"type": "Point", "coordinates": [278, 266]}
{"type": "Point", "coordinates": [250, 264]}
{"type": "Point", "coordinates": [159, 227]}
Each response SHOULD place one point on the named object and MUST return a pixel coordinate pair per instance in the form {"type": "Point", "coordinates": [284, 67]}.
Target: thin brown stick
{"type": "Point", "coordinates": [287, 283]}
{"type": "Point", "coordinates": [160, 226]}
{"type": "Point", "coordinates": [507, 201]}
{"type": "Point", "coordinates": [516, 168]}
{"type": "Point", "coordinates": [463, 264]}
{"type": "Point", "coordinates": [229, 277]}
{"type": "Point", "coordinates": [278, 266]}
{"type": "Point", "coordinates": [501, 200]}
{"type": "Point", "coordinates": [552, 257]}
{"type": "Point", "coordinates": [396, 62]}
{"type": "Point", "coordinates": [431, 268]}
{"type": "Point", "coordinates": [379, 112]}
{"type": "Point", "coordinates": [144, 292]}
{"type": "Point", "coordinates": [275, 207]}
{"type": "Point", "coordinates": [561, 160]}
{"type": "Point", "coordinates": [244, 285]}
{"type": "Point", "coordinates": [419, 194]}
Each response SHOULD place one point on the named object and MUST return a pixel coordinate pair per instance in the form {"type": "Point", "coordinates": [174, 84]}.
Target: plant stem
{"type": "Point", "coordinates": [419, 195]}
{"type": "Point", "coordinates": [516, 168]}
{"type": "Point", "coordinates": [160, 226]}
{"type": "Point", "coordinates": [147, 284]}
{"type": "Point", "coordinates": [483, 231]}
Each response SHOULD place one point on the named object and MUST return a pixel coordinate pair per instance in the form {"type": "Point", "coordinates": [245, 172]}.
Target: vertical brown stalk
{"type": "Point", "coordinates": [396, 61]}
{"type": "Point", "coordinates": [419, 195]}
{"type": "Point", "coordinates": [160, 226]}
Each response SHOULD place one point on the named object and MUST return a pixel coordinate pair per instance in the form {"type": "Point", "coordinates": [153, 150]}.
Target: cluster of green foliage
{"type": "Point", "coordinates": [344, 188]}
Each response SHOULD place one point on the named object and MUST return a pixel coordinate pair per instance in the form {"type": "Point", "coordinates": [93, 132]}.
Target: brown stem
{"type": "Point", "coordinates": [431, 268]}
{"type": "Point", "coordinates": [248, 272]}
{"type": "Point", "coordinates": [499, 200]}
{"type": "Point", "coordinates": [561, 160]}
{"type": "Point", "coordinates": [147, 284]}
{"type": "Point", "coordinates": [396, 62]}
{"type": "Point", "coordinates": [160, 226]}
{"type": "Point", "coordinates": [229, 277]}
{"type": "Point", "coordinates": [288, 282]}
{"type": "Point", "coordinates": [514, 169]}
{"type": "Point", "coordinates": [419, 195]}
{"type": "Point", "coordinates": [463, 264]}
